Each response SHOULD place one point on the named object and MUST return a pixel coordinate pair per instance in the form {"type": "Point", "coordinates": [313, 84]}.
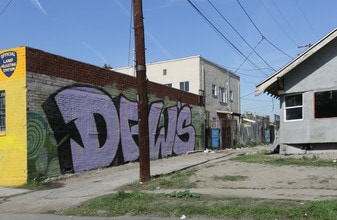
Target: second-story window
{"type": "Point", "coordinates": [223, 95]}
{"type": "Point", "coordinates": [214, 93]}
{"type": "Point", "coordinates": [164, 72]}
{"type": "Point", "coordinates": [185, 86]}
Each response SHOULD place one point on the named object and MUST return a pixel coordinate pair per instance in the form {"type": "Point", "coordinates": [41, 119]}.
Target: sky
{"type": "Point", "coordinates": [251, 38]}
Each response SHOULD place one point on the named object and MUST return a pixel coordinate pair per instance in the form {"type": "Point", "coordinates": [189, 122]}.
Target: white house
{"type": "Point", "coordinates": [195, 74]}
{"type": "Point", "coordinates": [307, 88]}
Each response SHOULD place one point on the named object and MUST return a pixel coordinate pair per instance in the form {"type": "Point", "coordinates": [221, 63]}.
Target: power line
{"type": "Point", "coordinates": [222, 35]}
{"type": "Point", "coordinates": [280, 26]}
{"type": "Point", "coordinates": [253, 49]}
{"type": "Point", "coordinates": [258, 30]}
{"type": "Point", "coordinates": [215, 28]}
{"type": "Point", "coordinates": [130, 32]}
{"type": "Point", "coordinates": [256, 100]}
{"type": "Point", "coordinates": [3, 10]}
{"type": "Point", "coordinates": [305, 18]}
{"type": "Point", "coordinates": [286, 20]}
{"type": "Point", "coordinates": [247, 95]}
{"type": "Point", "coordinates": [244, 10]}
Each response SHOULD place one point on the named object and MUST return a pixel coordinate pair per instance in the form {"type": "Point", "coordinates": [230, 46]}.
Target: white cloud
{"type": "Point", "coordinates": [39, 6]}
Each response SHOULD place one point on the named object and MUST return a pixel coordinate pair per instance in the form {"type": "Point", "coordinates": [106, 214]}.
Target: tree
{"type": "Point", "coordinates": [107, 66]}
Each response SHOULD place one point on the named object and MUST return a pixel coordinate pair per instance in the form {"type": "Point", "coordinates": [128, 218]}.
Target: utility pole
{"type": "Point", "coordinates": [140, 65]}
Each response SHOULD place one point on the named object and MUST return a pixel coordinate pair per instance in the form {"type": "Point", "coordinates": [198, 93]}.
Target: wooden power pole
{"type": "Point", "coordinates": [143, 126]}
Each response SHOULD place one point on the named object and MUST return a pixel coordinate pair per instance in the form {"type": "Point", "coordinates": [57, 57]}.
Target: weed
{"type": "Point", "coordinates": [230, 178]}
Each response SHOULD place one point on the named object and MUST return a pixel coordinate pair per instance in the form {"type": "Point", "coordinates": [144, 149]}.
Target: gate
{"type": "Point", "coordinates": [229, 133]}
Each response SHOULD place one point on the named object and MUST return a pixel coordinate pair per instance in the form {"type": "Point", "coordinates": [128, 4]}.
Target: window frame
{"type": "Point", "coordinates": [214, 90]}
{"type": "Point", "coordinates": [293, 107]}
{"type": "Point", "coordinates": [329, 104]}
{"type": "Point", "coordinates": [223, 95]}
{"type": "Point", "coordinates": [231, 95]}
{"type": "Point", "coordinates": [183, 85]}
{"type": "Point", "coordinates": [168, 85]}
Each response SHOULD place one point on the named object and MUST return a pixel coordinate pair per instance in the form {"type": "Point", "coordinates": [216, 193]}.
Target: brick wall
{"type": "Point", "coordinates": [53, 65]}
{"type": "Point", "coordinates": [82, 117]}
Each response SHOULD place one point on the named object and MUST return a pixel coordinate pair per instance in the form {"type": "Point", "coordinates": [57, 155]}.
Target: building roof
{"type": "Point", "coordinates": [184, 58]}
{"type": "Point", "coordinates": [274, 83]}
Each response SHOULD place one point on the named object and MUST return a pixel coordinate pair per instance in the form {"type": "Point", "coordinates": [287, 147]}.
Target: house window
{"type": "Point", "coordinates": [164, 72]}
{"type": "Point", "coordinates": [2, 111]}
{"type": "Point", "coordinates": [168, 85]}
{"type": "Point", "coordinates": [223, 95]}
{"type": "Point", "coordinates": [293, 107]}
{"type": "Point", "coordinates": [213, 89]}
{"type": "Point", "coordinates": [185, 86]}
{"type": "Point", "coordinates": [326, 104]}
{"type": "Point", "coordinates": [231, 96]}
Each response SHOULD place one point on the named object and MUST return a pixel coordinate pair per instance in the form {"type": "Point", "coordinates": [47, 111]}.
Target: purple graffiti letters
{"type": "Point", "coordinates": [92, 127]}
{"type": "Point", "coordinates": [185, 137]}
{"type": "Point", "coordinates": [129, 129]}
{"type": "Point", "coordinates": [79, 104]}
{"type": "Point", "coordinates": [162, 138]}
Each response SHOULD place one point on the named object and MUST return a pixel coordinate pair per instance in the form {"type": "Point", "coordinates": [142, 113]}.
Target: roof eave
{"type": "Point", "coordinates": [264, 85]}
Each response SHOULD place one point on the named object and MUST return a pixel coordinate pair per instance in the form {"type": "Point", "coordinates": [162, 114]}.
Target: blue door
{"type": "Point", "coordinates": [215, 137]}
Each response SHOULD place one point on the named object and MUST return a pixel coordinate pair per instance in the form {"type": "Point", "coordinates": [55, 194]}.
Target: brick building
{"type": "Point", "coordinates": [59, 115]}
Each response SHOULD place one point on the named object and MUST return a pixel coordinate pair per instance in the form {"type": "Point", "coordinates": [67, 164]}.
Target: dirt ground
{"type": "Point", "coordinates": [269, 181]}
{"type": "Point", "coordinates": [259, 180]}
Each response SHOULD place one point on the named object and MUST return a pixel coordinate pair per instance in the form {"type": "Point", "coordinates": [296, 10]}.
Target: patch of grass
{"type": "Point", "coordinates": [165, 205]}
{"type": "Point", "coordinates": [279, 160]}
{"type": "Point", "coordinates": [230, 178]}
{"type": "Point", "coordinates": [178, 203]}
{"type": "Point", "coordinates": [176, 180]}
{"type": "Point", "coordinates": [33, 185]}
{"type": "Point", "coordinates": [184, 194]}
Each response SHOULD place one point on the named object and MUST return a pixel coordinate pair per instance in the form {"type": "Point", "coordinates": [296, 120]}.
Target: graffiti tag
{"type": "Point", "coordinates": [91, 128]}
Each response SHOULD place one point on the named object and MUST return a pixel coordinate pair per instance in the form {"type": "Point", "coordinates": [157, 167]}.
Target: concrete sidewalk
{"type": "Point", "coordinates": [16, 201]}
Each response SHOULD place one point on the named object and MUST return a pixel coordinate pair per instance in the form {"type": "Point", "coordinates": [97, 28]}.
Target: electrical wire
{"type": "Point", "coordinates": [253, 49]}
{"type": "Point", "coordinates": [222, 35]}
{"type": "Point", "coordinates": [287, 21]}
{"type": "Point", "coordinates": [3, 10]}
{"type": "Point", "coordinates": [305, 18]}
{"type": "Point", "coordinates": [280, 26]}
{"type": "Point", "coordinates": [258, 30]}
{"type": "Point", "coordinates": [130, 32]}
{"type": "Point", "coordinates": [247, 95]}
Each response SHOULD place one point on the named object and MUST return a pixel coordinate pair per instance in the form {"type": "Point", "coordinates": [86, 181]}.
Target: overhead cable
{"type": "Point", "coordinates": [222, 35]}
{"type": "Point", "coordinates": [253, 49]}
{"type": "Point", "coordinates": [130, 32]}
{"type": "Point", "coordinates": [3, 10]}
{"type": "Point", "coordinates": [258, 30]}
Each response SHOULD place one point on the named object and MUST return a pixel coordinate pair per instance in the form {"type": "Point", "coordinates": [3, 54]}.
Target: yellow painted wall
{"type": "Point", "coordinates": [13, 142]}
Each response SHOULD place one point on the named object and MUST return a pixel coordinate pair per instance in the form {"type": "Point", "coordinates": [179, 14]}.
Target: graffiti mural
{"type": "Point", "coordinates": [94, 130]}
{"type": "Point", "coordinates": [41, 155]}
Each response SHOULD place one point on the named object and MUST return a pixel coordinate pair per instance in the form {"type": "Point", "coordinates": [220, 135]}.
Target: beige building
{"type": "Point", "coordinates": [195, 74]}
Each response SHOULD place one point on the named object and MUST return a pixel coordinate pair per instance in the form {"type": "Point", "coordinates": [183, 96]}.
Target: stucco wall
{"type": "Point", "coordinates": [13, 142]}
{"type": "Point", "coordinates": [221, 78]}
{"type": "Point", "coordinates": [317, 73]}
